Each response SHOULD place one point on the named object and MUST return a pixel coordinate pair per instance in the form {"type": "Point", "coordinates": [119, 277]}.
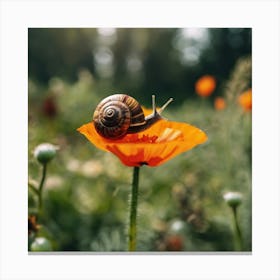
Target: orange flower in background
{"type": "Point", "coordinates": [219, 103]}
{"type": "Point", "coordinates": [154, 146]}
{"type": "Point", "coordinates": [245, 100]}
{"type": "Point", "coordinates": [205, 85]}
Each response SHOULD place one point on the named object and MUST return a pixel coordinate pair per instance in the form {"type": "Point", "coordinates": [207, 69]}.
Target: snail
{"type": "Point", "coordinates": [120, 114]}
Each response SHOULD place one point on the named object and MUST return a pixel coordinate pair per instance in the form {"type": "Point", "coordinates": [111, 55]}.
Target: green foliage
{"type": "Point", "coordinates": [160, 61]}
{"type": "Point", "coordinates": [86, 191]}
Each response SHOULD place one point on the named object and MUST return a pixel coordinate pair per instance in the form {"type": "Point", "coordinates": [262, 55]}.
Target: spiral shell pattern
{"type": "Point", "coordinates": [115, 114]}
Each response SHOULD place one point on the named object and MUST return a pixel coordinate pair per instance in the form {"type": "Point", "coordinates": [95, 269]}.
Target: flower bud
{"type": "Point", "coordinates": [45, 152]}
{"type": "Point", "coordinates": [177, 226]}
{"type": "Point", "coordinates": [233, 199]}
{"type": "Point", "coordinates": [41, 244]}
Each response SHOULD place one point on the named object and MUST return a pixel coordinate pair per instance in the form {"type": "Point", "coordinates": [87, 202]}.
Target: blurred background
{"type": "Point", "coordinates": [181, 204]}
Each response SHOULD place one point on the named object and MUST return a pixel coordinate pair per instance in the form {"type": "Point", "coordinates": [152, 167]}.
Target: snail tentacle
{"type": "Point", "coordinates": [165, 105]}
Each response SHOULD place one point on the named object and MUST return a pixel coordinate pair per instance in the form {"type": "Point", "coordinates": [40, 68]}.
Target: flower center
{"type": "Point", "coordinates": [136, 138]}
{"type": "Point", "coordinates": [167, 135]}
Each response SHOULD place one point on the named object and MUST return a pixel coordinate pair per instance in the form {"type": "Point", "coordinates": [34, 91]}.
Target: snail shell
{"type": "Point", "coordinates": [117, 113]}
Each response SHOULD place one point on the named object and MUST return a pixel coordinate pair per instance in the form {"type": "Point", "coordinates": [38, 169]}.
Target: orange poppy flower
{"type": "Point", "coordinates": [154, 146]}
{"type": "Point", "coordinates": [219, 103]}
{"type": "Point", "coordinates": [245, 100]}
{"type": "Point", "coordinates": [205, 85]}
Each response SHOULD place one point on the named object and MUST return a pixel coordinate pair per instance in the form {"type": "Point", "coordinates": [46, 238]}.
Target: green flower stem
{"type": "Point", "coordinates": [237, 229]}
{"type": "Point", "coordinates": [33, 188]}
{"type": "Point", "coordinates": [40, 190]}
{"type": "Point", "coordinates": [132, 231]}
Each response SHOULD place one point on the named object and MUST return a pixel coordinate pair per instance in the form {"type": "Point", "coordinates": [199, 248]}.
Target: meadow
{"type": "Point", "coordinates": [181, 203]}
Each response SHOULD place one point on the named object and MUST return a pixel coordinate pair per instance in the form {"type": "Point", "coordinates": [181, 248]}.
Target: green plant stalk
{"type": "Point", "coordinates": [40, 189]}
{"type": "Point", "coordinates": [132, 230]}
{"type": "Point", "coordinates": [33, 188]}
{"type": "Point", "coordinates": [238, 232]}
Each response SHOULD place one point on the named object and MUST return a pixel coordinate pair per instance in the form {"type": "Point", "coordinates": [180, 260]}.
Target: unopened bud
{"type": "Point", "coordinates": [41, 244]}
{"type": "Point", "coordinates": [233, 199]}
{"type": "Point", "coordinates": [177, 226]}
{"type": "Point", "coordinates": [45, 152]}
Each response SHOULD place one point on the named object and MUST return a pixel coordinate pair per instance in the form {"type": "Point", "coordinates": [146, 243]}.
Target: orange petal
{"type": "Point", "coordinates": [88, 130]}
{"type": "Point", "coordinates": [154, 146]}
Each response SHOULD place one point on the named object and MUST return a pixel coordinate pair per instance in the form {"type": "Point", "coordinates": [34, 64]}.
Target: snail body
{"type": "Point", "coordinates": [120, 114]}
